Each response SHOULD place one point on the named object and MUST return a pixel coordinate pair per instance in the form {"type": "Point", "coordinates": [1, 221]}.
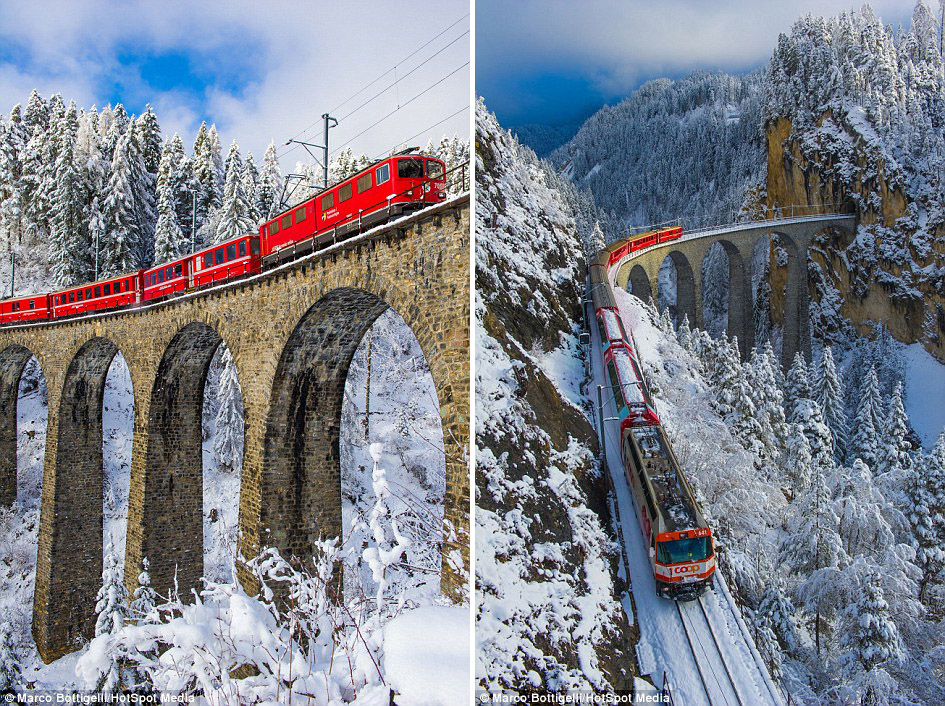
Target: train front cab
{"type": "Point", "coordinates": [683, 563]}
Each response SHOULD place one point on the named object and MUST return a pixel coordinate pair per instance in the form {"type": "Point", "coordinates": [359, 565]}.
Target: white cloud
{"type": "Point", "coordinates": [307, 57]}
{"type": "Point", "coordinates": [618, 44]}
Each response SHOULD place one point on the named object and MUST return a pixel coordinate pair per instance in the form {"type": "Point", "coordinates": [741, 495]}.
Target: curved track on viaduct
{"type": "Point", "coordinates": [292, 332]}
{"type": "Point", "coordinates": [638, 273]}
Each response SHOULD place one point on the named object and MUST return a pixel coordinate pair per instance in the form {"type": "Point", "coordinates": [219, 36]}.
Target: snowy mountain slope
{"type": "Point", "coordinates": [547, 615]}
{"type": "Point", "coordinates": [687, 149]}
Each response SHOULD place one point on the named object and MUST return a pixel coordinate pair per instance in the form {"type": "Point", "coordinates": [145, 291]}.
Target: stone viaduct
{"type": "Point", "coordinates": [638, 272]}
{"type": "Point", "coordinates": [292, 332]}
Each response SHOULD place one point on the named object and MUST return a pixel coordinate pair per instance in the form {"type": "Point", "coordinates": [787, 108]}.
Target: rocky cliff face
{"type": "Point", "coordinates": [892, 270]}
{"type": "Point", "coordinates": [548, 613]}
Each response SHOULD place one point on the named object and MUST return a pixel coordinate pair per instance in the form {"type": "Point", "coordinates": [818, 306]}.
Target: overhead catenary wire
{"type": "Point", "coordinates": [390, 86]}
{"type": "Point", "coordinates": [399, 107]}
{"type": "Point", "coordinates": [371, 83]}
{"type": "Point", "coordinates": [429, 127]}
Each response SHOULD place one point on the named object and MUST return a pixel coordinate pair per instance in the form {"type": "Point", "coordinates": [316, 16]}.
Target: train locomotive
{"type": "Point", "coordinates": [681, 547]}
{"type": "Point", "coordinates": [388, 188]}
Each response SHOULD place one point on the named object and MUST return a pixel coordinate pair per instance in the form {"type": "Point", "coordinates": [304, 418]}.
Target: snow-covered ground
{"type": "Point", "coordinates": [925, 393]}
{"type": "Point", "coordinates": [663, 646]}
{"type": "Point", "coordinates": [404, 420]}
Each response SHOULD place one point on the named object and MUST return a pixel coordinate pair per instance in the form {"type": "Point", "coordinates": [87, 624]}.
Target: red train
{"type": "Point", "coordinates": [386, 189]}
{"type": "Point", "coordinates": [681, 548]}
{"type": "Point", "coordinates": [644, 240]}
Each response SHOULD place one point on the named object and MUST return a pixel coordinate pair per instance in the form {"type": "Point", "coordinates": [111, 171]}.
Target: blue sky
{"type": "Point", "coordinates": [260, 70]}
{"type": "Point", "coordinates": [550, 61]}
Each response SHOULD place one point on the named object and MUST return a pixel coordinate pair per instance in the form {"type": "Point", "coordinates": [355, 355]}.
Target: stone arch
{"type": "Point", "coordinates": [300, 487]}
{"type": "Point", "coordinates": [739, 296]}
{"type": "Point", "coordinates": [796, 299]}
{"type": "Point", "coordinates": [13, 360]}
{"type": "Point", "coordinates": [69, 560]}
{"type": "Point", "coordinates": [640, 284]}
{"type": "Point", "coordinates": [685, 288]}
{"type": "Point", "coordinates": [171, 522]}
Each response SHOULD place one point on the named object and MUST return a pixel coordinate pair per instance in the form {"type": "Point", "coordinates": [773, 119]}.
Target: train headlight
{"type": "Point", "coordinates": [441, 194]}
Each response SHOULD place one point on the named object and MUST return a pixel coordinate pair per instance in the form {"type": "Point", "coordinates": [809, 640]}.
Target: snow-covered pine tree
{"type": "Point", "coordinates": [777, 611]}
{"type": "Point", "coordinates": [684, 333]}
{"type": "Point", "coordinates": [123, 237]}
{"type": "Point", "coordinates": [923, 510]}
{"type": "Point", "coordinates": [666, 323]}
{"type": "Point", "coordinates": [228, 443]}
{"type": "Point", "coordinates": [896, 452]}
{"type": "Point", "coordinates": [808, 416]}
{"type": "Point", "coordinates": [270, 183]}
{"type": "Point", "coordinates": [145, 597]}
{"type": "Point", "coordinates": [71, 250]}
{"type": "Point", "coordinates": [250, 183]}
{"type": "Point", "coordinates": [112, 610]}
{"type": "Point", "coordinates": [143, 185]}
{"type": "Point", "coordinates": [829, 394]}
{"type": "Point", "coordinates": [796, 386]}
{"type": "Point", "coordinates": [11, 676]}
{"type": "Point", "coordinates": [143, 610]}
{"type": "Point", "coordinates": [797, 463]}
{"type": "Point", "coordinates": [871, 635]}
{"type": "Point", "coordinates": [149, 134]}
{"type": "Point", "coordinates": [864, 443]}
{"type": "Point", "coordinates": [235, 215]}
{"type": "Point", "coordinates": [769, 401]}
{"type": "Point", "coordinates": [812, 549]}
{"type": "Point", "coordinates": [169, 237]}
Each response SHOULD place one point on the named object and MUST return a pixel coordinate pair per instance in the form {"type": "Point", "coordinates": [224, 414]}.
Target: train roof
{"type": "Point", "coordinates": [676, 506]}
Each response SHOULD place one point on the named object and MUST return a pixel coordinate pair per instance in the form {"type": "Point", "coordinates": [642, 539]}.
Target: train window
{"type": "Point", "coordinates": [16, 306]}
{"type": "Point", "coordinates": [88, 293]}
{"type": "Point", "coordinates": [382, 174]}
{"type": "Point", "coordinates": [218, 256]}
{"type": "Point", "coordinates": [71, 297]}
{"type": "Point", "coordinates": [98, 292]}
{"type": "Point", "coordinates": [616, 390]}
{"type": "Point", "coordinates": [108, 289]}
{"type": "Point", "coordinates": [32, 304]}
{"type": "Point", "coordinates": [242, 248]}
{"type": "Point", "coordinates": [231, 252]}
{"type": "Point", "coordinates": [364, 183]}
{"type": "Point", "coordinates": [287, 221]}
{"type": "Point", "coordinates": [273, 227]}
{"type": "Point", "coordinates": [208, 259]}
{"type": "Point", "coordinates": [160, 275]}
{"type": "Point", "coordinates": [344, 193]}
{"type": "Point", "coordinates": [299, 215]}
{"type": "Point", "coordinates": [328, 201]}
{"type": "Point", "coordinates": [434, 169]}
{"type": "Point", "coordinates": [254, 247]}
{"type": "Point", "coordinates": [410, 169]}
{"type": "Point", "coordinates": [178, 269]}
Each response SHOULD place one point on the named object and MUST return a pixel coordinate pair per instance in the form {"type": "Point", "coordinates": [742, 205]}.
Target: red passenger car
{"type": "Point", "coordinates": [31, 308]}
{"type": "Point", "coordinates": [167, 279]}
{"type": "Point", "coordinates": [384, 190]}
{"type": "Point", "coordinates": [112, 293]}
{"type": "Point", "coordinates": [237, 257]}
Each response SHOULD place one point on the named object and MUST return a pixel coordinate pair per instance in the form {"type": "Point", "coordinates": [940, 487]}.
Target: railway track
{"type": "Point", "coordinates": [717, 681]}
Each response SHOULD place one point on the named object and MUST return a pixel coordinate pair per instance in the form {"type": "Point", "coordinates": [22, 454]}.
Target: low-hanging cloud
{"type": "Point", "coordinates": [617, 45]}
